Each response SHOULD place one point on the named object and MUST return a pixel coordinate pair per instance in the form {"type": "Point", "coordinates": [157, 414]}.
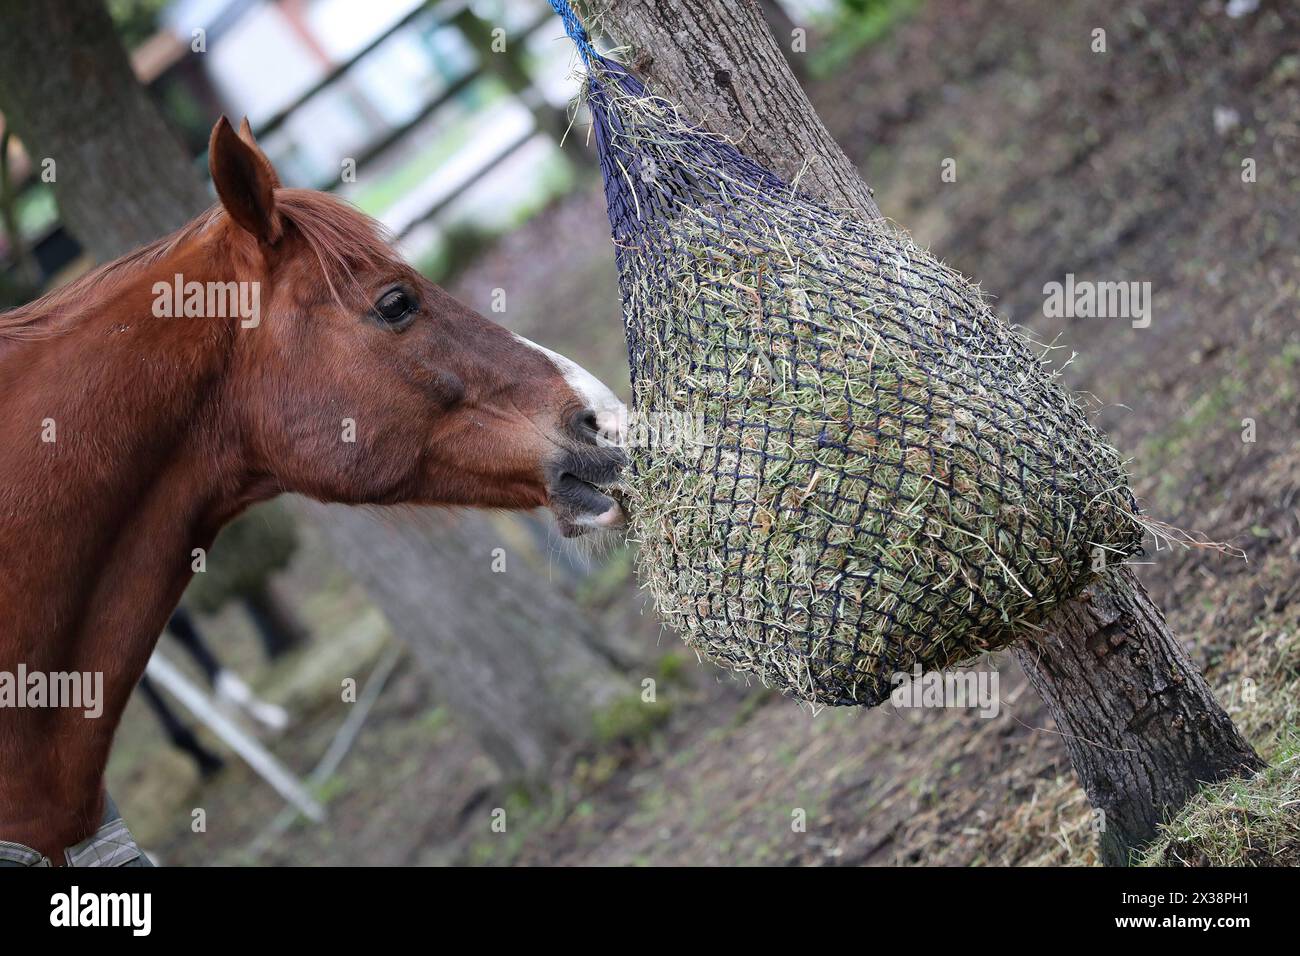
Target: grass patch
{"type": "Point", "coordinates": [629, 719]}
{"type": "Point", "coordinates": [519, 815]}
{"type": "Point", "coordinates": [1256, 821]}
{"type": "Point", "coordinates": [1252, 822]}
{"type": "Point", "coordinates": [1207, 413]}
{"type": "Point", "coordinates": [1269, 714]}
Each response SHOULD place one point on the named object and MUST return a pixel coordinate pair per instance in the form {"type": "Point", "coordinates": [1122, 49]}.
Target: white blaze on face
{"type": "Point", "coordinates": [611, 414]}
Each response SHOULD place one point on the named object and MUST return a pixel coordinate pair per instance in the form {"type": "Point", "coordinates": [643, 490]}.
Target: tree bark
{"type": "Point", "coordinates": [512, 658]}
{"type": "Point", "coordinates": [1140, 724]}
{"type": "Point", "coordinates": [782, 27]}
{"type": "Point", "coordinates": [121, 177]}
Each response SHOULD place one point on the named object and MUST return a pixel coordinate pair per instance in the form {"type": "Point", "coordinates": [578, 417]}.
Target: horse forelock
{"type": "Point", "coordinates": [343, 239]}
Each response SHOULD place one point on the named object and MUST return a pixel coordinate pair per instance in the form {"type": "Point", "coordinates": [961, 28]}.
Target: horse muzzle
{"type": "Point", "coordinates": [578, 488]}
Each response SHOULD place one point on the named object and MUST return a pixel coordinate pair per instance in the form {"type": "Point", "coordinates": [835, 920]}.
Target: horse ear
{"type": "Point", "coordinates": [246, 134]}
{"type": "Point", "coordinates": [245, 182]}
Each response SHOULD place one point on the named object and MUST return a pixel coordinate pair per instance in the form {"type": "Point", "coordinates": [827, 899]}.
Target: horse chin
{"type": "Point", "coordinates": [583, 509]}
{"type": "Point", "coordinates": [607, 523]}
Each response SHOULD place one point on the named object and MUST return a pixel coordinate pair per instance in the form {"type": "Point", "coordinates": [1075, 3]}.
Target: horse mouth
{"type": "Point", "coordinates": [579, 492]}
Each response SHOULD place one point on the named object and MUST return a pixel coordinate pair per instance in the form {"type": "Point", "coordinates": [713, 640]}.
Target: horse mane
{"type": "Point", "coordinates": [342, 239]}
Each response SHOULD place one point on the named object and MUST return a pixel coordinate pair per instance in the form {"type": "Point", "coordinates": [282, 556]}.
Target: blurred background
{"type": "Point", "coordinates": [421, 677]}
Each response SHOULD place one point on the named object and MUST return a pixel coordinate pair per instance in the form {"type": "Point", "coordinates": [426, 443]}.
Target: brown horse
{"type": "Point", "coordinates": [128, 438]}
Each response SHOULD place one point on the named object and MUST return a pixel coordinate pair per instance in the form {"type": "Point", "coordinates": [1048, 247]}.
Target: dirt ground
{"type": "Point", "coordinates": [1123, 165]}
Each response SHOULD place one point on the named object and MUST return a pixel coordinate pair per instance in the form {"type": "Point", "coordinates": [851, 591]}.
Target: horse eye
{"type": "Point", "coordinates": [395, 306]}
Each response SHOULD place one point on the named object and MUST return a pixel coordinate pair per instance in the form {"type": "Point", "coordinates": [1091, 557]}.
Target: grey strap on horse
{"type": "Point", "coordinates": [110, 845]}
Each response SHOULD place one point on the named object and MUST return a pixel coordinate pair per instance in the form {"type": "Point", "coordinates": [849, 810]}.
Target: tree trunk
{"type": "Point", "coordinates": [513, 659]}
{"type": "Point", "coordinates": [120, 176]}
{"type": "Point", "coordinates": [782, 27]}
{"type": "Point", "coordinates": [1141, 726]}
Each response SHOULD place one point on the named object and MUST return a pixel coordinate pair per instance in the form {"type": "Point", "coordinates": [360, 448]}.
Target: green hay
{"type": "Point", "coordinates": [885, 474]}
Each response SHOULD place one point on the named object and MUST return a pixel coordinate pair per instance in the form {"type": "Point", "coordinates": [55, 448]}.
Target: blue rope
{"type": "Point", "coordinates": [576, 31]}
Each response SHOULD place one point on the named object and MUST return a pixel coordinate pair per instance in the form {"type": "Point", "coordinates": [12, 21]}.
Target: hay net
{"type": "Point", "coordinates": [844, 465]}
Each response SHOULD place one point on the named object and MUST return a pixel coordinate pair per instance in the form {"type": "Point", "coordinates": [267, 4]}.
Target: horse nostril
{"type": "Point", "coordinates": [584, 426]}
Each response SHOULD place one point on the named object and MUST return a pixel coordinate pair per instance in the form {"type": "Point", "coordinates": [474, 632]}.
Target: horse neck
{"type": "Point", "coordinates": [117, 465]}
